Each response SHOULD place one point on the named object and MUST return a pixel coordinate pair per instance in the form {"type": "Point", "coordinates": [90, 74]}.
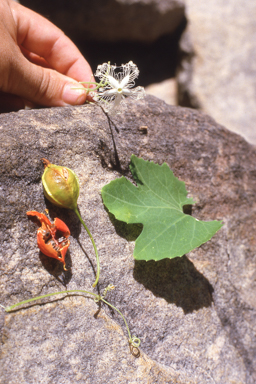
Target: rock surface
{"type": "Point", "coordinates": [195, 315]}
{"type": "Point", "coordinates": [220, 77]}
{"type": "Point", "coordinates": [165, 90]}
{"type": "Point", "coordinates": [112, 20]}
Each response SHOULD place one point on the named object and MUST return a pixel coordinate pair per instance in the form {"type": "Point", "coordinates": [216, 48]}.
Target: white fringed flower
{"type": "Point", "coordinates": [116, 83]}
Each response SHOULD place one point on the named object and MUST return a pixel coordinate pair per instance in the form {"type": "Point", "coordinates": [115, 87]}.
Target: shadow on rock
{"type": "Point", "coordinates": [130, 232]}
{"type": "Point", "coordinates": [55, 267]}
{"type": "Point", "coordinates": [67, 215]}
{"type": "Point", "coordinates": [177, 281]}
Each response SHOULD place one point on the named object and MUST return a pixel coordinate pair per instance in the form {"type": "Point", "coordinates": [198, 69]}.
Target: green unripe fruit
{"type": "Point", "coordinates": [61, 185]}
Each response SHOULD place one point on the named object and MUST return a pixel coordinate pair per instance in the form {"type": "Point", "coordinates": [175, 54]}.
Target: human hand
{"type": "Point", "coordinates": [38, 63]}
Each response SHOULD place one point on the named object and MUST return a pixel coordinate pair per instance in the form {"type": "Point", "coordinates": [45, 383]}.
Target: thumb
{"type": "Point", "coordinates": [45, 86]}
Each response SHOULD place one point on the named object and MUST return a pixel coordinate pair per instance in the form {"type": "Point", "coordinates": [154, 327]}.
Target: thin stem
{"type": "Point", "coordinates": [97, 85]}
{"type": "Point", "coordinates": [88, 82]}
{"type": "Point", "coordinates": [9, 309]}
{"type": "Point", "coordinates": [134, 341]}
{"type": "Point", "coordinates": [120, 313]}
{"type": "Point", "coordinates": [94, 246]}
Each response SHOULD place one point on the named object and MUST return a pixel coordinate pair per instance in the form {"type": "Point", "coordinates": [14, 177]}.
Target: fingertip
{"type": "Point", "coordinates": [73, 94]}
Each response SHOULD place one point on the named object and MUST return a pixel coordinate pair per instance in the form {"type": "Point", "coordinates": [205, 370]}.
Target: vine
{"type": "Point", "coordinates": [61, 185]}
{"type": "Point", "coordinates": [156, 202]}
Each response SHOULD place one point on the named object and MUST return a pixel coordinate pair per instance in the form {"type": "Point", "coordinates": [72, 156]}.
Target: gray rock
{"type": "Point", "coordinates": [195, 315]}
{"type": "Point", "coordinates": [165, 90]}
{"type": "Point", "coordinates": [112, 20]}
{"type": "Point", "coordinates": [219, 74]}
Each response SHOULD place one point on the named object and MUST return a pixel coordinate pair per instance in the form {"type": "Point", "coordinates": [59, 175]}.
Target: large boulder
{"type": "Point", "coordinates": [217, 71]}
{"type": "Point", "coordinates": [195, 315]}
{"type": "Point", "coordinates": [112, 20]}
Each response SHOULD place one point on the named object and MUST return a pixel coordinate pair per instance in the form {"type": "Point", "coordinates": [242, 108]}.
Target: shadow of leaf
{"type": "Point", "coordinates": [177, 281]}
{"type": "Point", "coordinates": [130, 232]}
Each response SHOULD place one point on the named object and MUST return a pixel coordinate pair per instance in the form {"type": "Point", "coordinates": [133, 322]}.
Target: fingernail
{"type": "Point", "coordinates": [72, 94]}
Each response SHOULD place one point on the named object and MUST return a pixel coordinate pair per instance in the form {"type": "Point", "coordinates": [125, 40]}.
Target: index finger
{"type": "Point", "coordinates": [39, 36]}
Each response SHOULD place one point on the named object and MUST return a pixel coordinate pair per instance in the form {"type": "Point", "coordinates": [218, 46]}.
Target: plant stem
{"type": "Point", "coordinates": [9, 309]}
{"type": "Point", "coordinates": [132, 340]}
{"type": "Point", "coordinates": [94, 246]}
{"type": "Point", "coordinates": [97, 85]}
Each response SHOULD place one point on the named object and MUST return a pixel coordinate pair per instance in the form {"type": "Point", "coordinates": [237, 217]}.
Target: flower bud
{"type": "Point", "coordinates": [61, 185]}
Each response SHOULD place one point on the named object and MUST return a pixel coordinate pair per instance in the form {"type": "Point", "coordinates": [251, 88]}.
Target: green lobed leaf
{"type": "Point", "coordinates": [157, 203]}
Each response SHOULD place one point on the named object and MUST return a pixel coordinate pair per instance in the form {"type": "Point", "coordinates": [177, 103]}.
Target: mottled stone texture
{"type": "Point", "coordinates": [195, 315]}
{"type": "Point", "coordinates": [112, 20]}
{"type": "Point", "coordinates": [219, 73]}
